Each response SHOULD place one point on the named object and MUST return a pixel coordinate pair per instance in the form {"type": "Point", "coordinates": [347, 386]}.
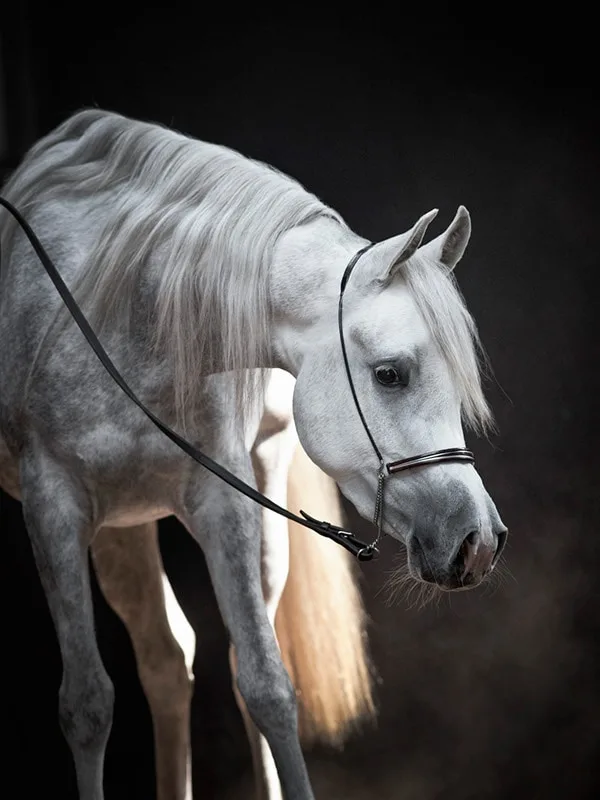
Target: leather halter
{"type": "Point", "coordinates": [392, 467]}
{"type": "Point", "coordinates": [358, 548]}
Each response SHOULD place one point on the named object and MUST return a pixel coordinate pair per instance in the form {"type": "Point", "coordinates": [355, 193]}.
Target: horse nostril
{"type": "Point", "coordinates": [467, 554]}
{"type": "Point", "coordinates": [502, 537]}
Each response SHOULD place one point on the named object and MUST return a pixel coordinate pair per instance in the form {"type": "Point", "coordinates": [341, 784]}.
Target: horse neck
{"type": "Point", "coordinates": [305, 284]}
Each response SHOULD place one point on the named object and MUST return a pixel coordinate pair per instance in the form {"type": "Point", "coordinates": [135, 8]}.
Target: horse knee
{"type": "Point", "coordinates": [270, 699]}
{"type": "Point", "coordinates": [86, 711]}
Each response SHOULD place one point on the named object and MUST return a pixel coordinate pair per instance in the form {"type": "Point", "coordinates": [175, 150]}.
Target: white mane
{"type": "Point", "coordinates": [212, 216]}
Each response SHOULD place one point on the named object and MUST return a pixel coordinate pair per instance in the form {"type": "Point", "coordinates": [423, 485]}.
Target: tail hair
{"type": "Point", "coordinates": [321, 620]}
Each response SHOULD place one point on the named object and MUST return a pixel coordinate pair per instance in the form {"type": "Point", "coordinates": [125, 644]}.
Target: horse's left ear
{"type": "Point", "coordinates": [448, 248]}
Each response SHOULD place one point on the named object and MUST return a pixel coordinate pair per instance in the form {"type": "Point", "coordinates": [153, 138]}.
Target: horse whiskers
{"type": "Point", "coordinates": [498, 579]}
{"type": "Point", "coordinates": [400, 583]}
{"type": "Point", "coordinates": [502, 572]}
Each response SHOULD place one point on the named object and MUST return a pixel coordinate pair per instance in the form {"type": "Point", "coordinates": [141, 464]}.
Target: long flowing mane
{"type": "Point", "coordinates": [207, 216]}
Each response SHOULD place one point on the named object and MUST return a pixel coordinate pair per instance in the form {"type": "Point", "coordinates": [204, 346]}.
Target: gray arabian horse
{"type": "Point", "coordinates": [191, 260]}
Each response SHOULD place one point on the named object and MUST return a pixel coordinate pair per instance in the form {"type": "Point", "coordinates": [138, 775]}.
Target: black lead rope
{"type": "Point", "coordinates": [361, 550]}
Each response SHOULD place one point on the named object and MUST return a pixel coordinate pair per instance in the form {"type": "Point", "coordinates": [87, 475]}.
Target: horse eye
{"type": "Point", "coordinates": [388, 375]}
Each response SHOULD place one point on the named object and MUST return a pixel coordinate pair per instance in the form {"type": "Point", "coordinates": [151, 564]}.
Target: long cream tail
{"type": "Point", "coordinates": [320, 622]}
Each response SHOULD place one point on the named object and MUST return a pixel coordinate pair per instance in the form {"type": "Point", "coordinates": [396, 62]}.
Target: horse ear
{"type": "Point", "coordinates": [448, 247]}
{"type": "Point", "coordinates": [395, 251]}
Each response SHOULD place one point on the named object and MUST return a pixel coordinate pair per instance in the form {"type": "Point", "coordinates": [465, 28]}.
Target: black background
{"type": "Point", "coordinates": [384, 115]}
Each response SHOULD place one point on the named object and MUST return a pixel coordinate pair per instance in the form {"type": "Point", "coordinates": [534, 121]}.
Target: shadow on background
{"type": "Point", "coordinates": [489, 694]}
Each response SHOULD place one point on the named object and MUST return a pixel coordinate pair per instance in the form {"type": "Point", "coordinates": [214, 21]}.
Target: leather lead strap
{"type": "Point", "coordinates": [360, 549]}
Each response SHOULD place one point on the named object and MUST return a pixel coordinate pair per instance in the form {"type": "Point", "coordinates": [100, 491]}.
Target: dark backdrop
{"type": "Point", "coordinates": [489, 694]}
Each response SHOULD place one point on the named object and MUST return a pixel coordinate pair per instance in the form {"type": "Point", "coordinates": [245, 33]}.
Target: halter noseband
{"type": "Point", "coordinates": [392, 467]}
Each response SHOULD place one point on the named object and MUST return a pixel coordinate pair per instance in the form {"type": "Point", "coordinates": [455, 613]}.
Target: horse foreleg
{"type": "Point", "coordinates": [58, 517]}
{"type": "Point", "coordinates": [276, 552]}
{"type": "Point", "coordinates": [130, 573]}
{"type": "Point", "coordinates": [266, 779]}
{"type": "Point", "coordinates": [272, 456]}
{"type": "Point", "coordinates": [228, 528]}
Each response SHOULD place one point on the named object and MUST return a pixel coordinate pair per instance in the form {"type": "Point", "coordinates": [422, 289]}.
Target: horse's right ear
{"type": "Point", "coordinates": [392, 253]}
{"type": "Point", "coordinates": [448, 248]}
